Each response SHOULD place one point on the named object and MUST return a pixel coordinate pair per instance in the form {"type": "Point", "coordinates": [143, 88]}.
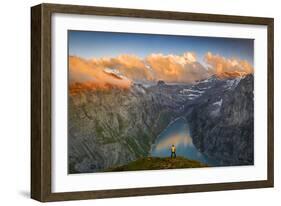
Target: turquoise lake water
{"type": "Point", "coordinates": [177, 133]}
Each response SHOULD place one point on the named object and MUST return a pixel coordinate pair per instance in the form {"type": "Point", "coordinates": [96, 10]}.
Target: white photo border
{"type": "Point", "coordinates": [63, 182]}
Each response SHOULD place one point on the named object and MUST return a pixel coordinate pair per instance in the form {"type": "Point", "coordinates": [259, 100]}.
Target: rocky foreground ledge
{"type": "Point", "coordinates": [157, 163]}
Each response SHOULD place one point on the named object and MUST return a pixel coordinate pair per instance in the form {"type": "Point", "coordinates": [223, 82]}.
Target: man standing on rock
{"type": "Point", "coordinates": [173, 151]}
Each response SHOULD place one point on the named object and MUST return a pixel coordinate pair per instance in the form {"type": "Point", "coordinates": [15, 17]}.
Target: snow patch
{"type": "Point", "coordinates": [232, 84]}
{"type": "Point", "coordinates": [218, 103]}
{"type": "Point", "coordinates": [193, 95]}
{"type": "Point", "coordinates": [217, 109]}
{"type": "Point", "coordinates": [115, 72]}
{"type": "Point", "coordinates": [191, 90]}
{"type": "Point", "coordinates": [205, 88]}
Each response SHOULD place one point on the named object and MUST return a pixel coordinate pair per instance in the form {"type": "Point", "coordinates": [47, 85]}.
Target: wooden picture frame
{"type": "Point", "coordinates": [41, 96]}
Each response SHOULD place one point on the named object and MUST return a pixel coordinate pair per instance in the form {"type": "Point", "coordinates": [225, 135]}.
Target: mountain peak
{"type": "Point", "coordinates": [161, 83]}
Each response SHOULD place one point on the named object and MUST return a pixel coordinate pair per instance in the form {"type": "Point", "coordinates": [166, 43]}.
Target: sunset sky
{"type": "Point", "coordinates": [103, 58]}
{"type": "Point", "coordinates": [89, 44]}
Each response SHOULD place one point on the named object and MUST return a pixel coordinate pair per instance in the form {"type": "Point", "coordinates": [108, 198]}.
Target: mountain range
{"type": "Point", "coordinates": [113, 127]}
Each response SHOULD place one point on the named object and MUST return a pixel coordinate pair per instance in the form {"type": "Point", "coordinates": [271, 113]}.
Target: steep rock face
{"type": "Point", "coordinates": [111, 128]}
{"type": "Point", "coordinates": [222, 126]}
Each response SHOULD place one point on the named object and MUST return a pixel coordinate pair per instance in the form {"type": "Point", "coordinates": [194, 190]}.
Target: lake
{"type": "Point", "coordinates": [177, 133]}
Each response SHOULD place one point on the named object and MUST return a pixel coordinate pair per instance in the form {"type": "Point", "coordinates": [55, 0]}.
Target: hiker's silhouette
{"type": "Point", "coordinates": [173, 151]}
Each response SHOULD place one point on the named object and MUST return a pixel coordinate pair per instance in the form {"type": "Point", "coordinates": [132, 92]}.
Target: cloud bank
{"type": "Point", "coordinates": [123, 70]}
{"type": "Point", "coordinates": [227, 67]}
{"type": "Point", "coordinates": [83, 73]}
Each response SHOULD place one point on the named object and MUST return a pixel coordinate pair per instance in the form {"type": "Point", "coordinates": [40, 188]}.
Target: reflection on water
{"type": "Point", "coordinates": [175, 139]}
{"type": "Point", "coordinates": [177, 133]}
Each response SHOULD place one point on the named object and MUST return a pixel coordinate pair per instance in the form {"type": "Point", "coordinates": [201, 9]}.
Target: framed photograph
{"type": "Point", "coordinates": [130, 102]}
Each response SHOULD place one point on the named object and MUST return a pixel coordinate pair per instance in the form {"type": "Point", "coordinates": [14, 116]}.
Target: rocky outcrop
{"type": "Point", "coordinates": [158, 163]}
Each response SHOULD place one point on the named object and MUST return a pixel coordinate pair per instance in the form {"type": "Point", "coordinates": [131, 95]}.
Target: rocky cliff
{"type": "Point", "coordinates": [222, 126]}
{"type": "Point", "coordinates": [114, 127]}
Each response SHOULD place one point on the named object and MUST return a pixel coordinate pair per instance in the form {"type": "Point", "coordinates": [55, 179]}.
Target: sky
{"type": "Point", "coordinates": [91, 44]}
{"type": "Point", "coordinates": [100, 59]}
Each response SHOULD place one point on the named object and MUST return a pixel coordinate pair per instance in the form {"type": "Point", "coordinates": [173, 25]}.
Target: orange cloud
{"type": "Point", "coordinates": [174, 68]}
{"type": "Point", "coordinates": [170, 68]}
{"type": "Point", "coordinates": [85, 74]}
{"type": "Point", "coordinates": [228, 67]}
{"type": "Point", "coordinates": [122, 70]}
{"type": "Point", "coordinates": [130, 66]}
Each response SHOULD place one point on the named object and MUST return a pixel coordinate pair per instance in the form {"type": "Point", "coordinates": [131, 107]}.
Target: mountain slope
{"type": "Point", "coordinates": [157, 163]}
{"type": "Point", "coordinates": [223, 127]}
{"type": "Point", "coordinates": [110, 128]}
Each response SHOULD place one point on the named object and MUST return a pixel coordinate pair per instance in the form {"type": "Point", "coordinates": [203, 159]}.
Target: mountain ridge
{"type": "Point", "coordinates": [112, 128]}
